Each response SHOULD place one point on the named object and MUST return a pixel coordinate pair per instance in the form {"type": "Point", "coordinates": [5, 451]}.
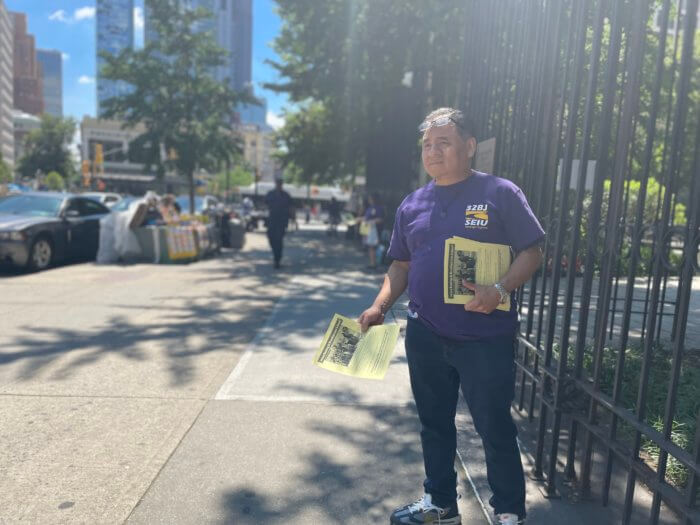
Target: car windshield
{"type": "Point", "coordinates": [184, 202]}
{"type": "Point", "coordinates": [34, 205]}
{"type": "Point", "coordinates": [123, 204]}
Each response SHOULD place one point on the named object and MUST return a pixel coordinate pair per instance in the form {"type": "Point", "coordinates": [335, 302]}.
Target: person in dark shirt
{"type": "Point", "coordinates": [452, 346]}
{"type": "Point", "coordinates": [333, 217]}
{"type": "Point", "coordinates": [279, 204]}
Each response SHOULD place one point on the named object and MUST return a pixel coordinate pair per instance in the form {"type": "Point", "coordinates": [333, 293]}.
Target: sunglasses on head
{"type": "Point", "coordinates": [440, 121]}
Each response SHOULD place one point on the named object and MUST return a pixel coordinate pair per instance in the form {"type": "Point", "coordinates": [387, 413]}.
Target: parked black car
{"type": "Point", "coordinates": [38, 229]}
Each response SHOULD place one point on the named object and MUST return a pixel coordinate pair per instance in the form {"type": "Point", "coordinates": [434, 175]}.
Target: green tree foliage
{"type": "Point", "coordinates": [5, 172]}
{"type": "Point", "coordinates": [309, 146]}
{"type": "Point", "coordinates": [651, 214]}
{"type": "Point", "coordinates": [363, 74]}
{"type": "Point", "coordinates": [186, 111]}
{"type": "Point", "coordinates": [54, 181]}
{"type": "Point", "coordinates": [240, 175]}
{"type": "Point", "coordinates": [661, 151]}
{"type": "Point", "coordinates": [46, 148]}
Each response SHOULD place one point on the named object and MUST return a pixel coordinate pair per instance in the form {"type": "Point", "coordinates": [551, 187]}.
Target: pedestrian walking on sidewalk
{"type": "Point", "coordinates": [333, 217]}
{"type": "Point", "coordinates": [279, 205]}
{"type": "Point", "coordinates": [374, 218]}
{"type": "Point", "coordinates": [451, 346]}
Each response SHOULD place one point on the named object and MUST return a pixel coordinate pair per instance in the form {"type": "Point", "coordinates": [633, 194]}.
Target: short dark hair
{"type": "Point", "coordinates": [465, 126]}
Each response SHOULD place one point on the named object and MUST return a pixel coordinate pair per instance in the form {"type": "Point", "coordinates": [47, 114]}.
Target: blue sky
{"type": "Point", "coordinates": [69, 26]}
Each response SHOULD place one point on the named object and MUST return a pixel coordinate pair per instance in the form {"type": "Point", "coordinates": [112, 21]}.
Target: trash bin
{"type": "Point", "coordinates": [236, 234]}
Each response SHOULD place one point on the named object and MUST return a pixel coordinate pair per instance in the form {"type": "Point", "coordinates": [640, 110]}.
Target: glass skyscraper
{"type": "Point", "coordinates": [52, 80]}
{"type": "Point", "coordinates": [254, 114]}
{"type": "Point", "coordinates": [115, 32]}
{"type": "Point", "coordinates": [241, 42]}
{"type": "Point", "coordinates": [232, 28]}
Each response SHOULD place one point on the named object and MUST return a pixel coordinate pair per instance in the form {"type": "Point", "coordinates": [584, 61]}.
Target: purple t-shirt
{"type": "Point", "coordinates": [483, 208]}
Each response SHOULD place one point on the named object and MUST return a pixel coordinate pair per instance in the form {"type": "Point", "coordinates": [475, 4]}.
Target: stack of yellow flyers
{"type": "Point", "coordinates": [346, 350]}
{"type": "Point", "coordinates": [475, 262]}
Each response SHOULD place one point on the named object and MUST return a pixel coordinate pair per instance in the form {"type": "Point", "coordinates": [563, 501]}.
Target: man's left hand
{"type": "Point", "coordinates": [486, 298]}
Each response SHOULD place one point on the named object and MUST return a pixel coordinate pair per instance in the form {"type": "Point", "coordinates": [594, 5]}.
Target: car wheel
{"type": "Point", "coordinates": [41, 254]}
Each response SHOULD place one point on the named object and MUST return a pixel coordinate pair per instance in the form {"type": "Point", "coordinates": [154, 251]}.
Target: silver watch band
{"type": "Point", "coordinates": [502, 291]}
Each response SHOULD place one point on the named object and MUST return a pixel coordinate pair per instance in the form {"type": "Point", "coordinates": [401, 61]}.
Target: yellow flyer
{"type": "Point", "coordinates": [475, 262]}
{"type": "Point", "coordinates": [346, 350]}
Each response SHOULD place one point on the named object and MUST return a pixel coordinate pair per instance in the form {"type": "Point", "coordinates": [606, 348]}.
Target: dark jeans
{"type": "Point", "coordinates": [275, 235]}
{"type": "Point", "coordinates": [486, 373]}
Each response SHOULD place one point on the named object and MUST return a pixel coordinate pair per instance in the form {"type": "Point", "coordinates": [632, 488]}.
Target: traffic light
{"type": "Point", "coordinates": [85, 170]}
{"type": "Point", "coordinates": [99, 156]}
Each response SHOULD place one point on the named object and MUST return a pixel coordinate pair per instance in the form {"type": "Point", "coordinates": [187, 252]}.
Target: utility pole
{"type": "Point", "coordinates": [228, 179]}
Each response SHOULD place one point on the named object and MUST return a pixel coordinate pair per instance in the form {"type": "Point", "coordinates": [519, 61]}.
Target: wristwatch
{"type": "Point", "coordinates": [502, 291]}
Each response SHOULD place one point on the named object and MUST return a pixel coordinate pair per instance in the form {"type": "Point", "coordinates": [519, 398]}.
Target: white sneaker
{"type": "Point", "coordinates": [424, 511]}
{"type": "Point", "coordinates": [509, 519]}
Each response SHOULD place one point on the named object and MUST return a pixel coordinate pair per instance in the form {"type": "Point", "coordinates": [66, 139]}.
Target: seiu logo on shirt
{"type": "Point", "coordinates": [476, 216]}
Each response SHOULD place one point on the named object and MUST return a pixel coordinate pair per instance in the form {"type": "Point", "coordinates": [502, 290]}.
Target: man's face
{"type": "Point", "coordinates": [445, 152]}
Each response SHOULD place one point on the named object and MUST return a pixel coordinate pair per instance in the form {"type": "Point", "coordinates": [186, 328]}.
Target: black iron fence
{"type": "Point", "coordinates": [595, 109]}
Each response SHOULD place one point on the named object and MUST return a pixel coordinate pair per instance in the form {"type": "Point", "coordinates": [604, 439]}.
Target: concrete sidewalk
{"type": "Point", "coordinates": [118, 401]}
{"type": "Point", "coordinates": [286, 442]}
{"type": "Point", "coordinates": [186, 394]}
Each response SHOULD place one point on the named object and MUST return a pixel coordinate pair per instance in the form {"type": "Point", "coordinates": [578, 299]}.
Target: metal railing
{"type": "Point", "coordinates": [607, 317]}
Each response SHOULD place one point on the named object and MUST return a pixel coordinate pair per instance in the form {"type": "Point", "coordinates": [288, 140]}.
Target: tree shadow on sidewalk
{"type": "Point", "coordinates": [337, 490]}
{"type": "Point", "coordinates": [225, 319]}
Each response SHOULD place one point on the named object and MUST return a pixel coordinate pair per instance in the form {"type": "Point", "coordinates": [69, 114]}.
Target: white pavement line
{"type": "Point", "coordinates": [243, 361]}
{"type": "Point", "coordinates": [476, 492]}
{"type": "Point", "coordinates": [310, 400]}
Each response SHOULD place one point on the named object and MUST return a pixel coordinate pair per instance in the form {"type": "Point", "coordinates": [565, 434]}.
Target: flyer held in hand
{"type": "Point", "coordinates": [475, 262]}
{"type": "Point", "coordinates": [346, 350]}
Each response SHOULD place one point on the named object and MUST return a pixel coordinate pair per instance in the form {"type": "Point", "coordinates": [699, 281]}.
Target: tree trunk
{"type": "Point", "coordinates": [391, 151]}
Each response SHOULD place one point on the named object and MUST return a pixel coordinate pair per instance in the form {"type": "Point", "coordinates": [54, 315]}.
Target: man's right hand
{"type": "Point", "coordinates": [370, 317]}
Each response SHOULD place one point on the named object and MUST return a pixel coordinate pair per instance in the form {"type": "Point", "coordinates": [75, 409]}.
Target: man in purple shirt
{"type": "Point", "coordinates": [451, 346]}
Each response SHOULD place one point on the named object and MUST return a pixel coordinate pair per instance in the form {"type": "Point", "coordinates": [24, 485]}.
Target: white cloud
{"type": "Point", "coordinates": [138, 18]}
{"type": "Point", "coordinates": [59, 15]}
{"type": "Point", "coordinates": [84, 13]}
{"type": "Point", "coordinates": [65, 56]}
{"type": "Point", "coordinates": [274, 121]}
{"type": "Point", "coordinates": [84, 79]}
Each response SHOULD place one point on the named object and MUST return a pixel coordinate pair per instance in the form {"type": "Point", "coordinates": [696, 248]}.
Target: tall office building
{"type": "Point", "coordinates": [28, 95]}
{"type": "Point", "coordinates": [115, 32]}
{"type": "Point", "coordinates": [254, 114]}
{"type": "Point", "coordinates": [242, 42]}
{"type": "Point", "coordinates": [7, 136]}
{"type": "Point", "coordinates": [232, 27]}
{"type": "Point", "coordinates": [51, 63]}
